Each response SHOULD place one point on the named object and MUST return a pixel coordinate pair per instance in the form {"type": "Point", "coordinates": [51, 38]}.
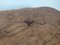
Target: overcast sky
{"type": "Point", "coordinates": [15, 4]}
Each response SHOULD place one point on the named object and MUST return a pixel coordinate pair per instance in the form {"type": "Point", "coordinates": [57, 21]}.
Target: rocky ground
{"type": "Point", "coordinates": [30, 26]}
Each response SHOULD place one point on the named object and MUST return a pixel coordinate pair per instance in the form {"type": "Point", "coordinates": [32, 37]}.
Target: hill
{"type": "Point", "coordinates": [30, 26]}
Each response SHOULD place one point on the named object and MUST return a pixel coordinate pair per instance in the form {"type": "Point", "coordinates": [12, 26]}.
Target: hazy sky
{"type": "Point", "coordinates": [14, 4]}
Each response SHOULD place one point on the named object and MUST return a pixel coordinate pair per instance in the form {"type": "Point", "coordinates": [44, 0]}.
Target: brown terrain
{"type": "Point", "coordinates": [30, 26]}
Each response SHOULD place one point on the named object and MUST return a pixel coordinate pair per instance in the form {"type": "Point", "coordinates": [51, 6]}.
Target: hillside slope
{"type": "Point", "coordinates": [30, 26]}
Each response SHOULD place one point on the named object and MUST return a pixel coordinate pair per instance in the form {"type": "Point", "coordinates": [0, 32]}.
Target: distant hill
{"type": "Point", "coordinates": [30, 26]}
